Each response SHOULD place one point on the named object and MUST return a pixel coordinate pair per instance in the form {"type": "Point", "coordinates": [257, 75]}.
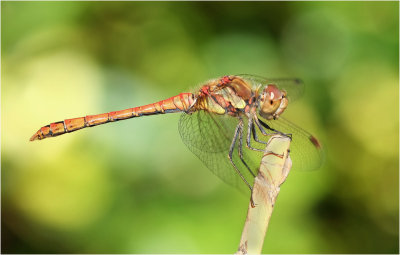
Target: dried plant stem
{"type": "Point", "coordinates": [274, 168]}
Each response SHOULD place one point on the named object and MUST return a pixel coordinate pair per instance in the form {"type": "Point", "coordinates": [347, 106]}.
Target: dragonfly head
{"type": "Point", "coordinates": [273, 102]}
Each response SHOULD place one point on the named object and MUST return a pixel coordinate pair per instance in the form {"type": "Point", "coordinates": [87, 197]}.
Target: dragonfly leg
{"type": "Point", "coordinates": [235, 137]}
{"type": "Point", "coordinates": [256, 120]}
{"type": "Point", "coordinates": [251, 130]}
{"type": "Point", "coordinates": [255, 137]}
{"type": "Point", "coordinates": [240, 151]}
{"type": "Point", "coordinates": [260, 124]}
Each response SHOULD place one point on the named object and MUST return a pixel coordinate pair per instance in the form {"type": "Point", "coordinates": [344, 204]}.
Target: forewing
{"type": "Point", "coordinates": [209, 137]}
{"type": "Point", "coordinates": [306, 151]}
{"type": "Point", "coordinates": [293, 87]}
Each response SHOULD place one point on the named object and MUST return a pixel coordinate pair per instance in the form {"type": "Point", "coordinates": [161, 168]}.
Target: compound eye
{"type": "Point", "coordinates": [270, 106]}
{"type": "Point", "coordinates": [273, 92]}
{"type": "Point", "coordinates": [272, 100]}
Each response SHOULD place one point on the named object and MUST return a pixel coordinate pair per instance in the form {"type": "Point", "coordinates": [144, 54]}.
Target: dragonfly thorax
{"type": "Point", "coordinates": [273, 102]}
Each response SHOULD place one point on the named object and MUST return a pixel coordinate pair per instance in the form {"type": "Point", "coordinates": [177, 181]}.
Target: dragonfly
{"type": "Point", "coordinates": [225, 123]}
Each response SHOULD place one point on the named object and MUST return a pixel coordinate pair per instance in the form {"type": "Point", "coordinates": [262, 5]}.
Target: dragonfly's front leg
{"type": "Point", "coordinates": [240, 151]}
{"type": "Point", "coordinates": [256, 120]}
{"type": "Point", "coordinates": [260, 124]}
{"type": "Point", "coordinates": [255, 137]}
{"type": "Point", "coordinates": [251, 130]}
{"type": "Point", "coordinates": [239, 128]}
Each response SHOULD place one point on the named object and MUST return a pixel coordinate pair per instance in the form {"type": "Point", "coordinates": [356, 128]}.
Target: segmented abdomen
{"type": "Point", "coordinates": [181, 102]}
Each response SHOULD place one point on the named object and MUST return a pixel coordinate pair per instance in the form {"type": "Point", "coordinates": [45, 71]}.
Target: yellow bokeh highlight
{"type": "Point", "coordinates": [65, 193]}
{"type": "Point", "coordinates": [57, 86]}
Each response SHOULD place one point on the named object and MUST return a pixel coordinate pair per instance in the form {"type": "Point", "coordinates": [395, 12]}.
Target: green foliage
{"type": "Point", "coordinates": [133, 187]}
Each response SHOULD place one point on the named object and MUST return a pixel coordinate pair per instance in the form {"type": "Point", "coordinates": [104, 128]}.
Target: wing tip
{"type": "Point", "coordinates": [315, 141]}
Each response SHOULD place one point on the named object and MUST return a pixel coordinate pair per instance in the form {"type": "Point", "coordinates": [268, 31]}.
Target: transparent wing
{"type": "Point", "coordinates": [293, 87]}
{"type": "Point", "coordinates": [305, 150]}
{"type": "Point", "coordinates": [209, 137]}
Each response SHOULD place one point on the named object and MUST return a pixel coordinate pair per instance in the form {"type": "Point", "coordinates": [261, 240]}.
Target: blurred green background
{"type": "Point", "coordinates": [133, 186]}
